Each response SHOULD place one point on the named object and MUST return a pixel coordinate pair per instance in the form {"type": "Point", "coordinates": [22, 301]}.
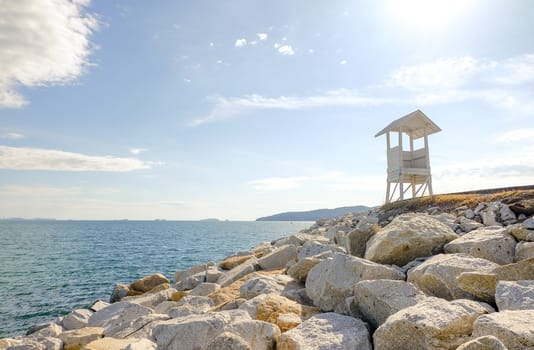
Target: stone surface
{"type": "Point", "coordinates": [356, 241]}
{"type": "Point", "coordinates": [190, 305]}
{"type": "Point", "coordinates": [468, 225]}
{"type": "Point", "coordinates": [431, 324]}
{"type": "Point", "coordinates": [98, 305]}
{"type": "Point", "coordinates": [120, 344]}
{"type": "Point", "coordinates": [237, 272]}
{"type": "Point", "coordinates": [314, 248]}
{"type": "Point", "coordinates": [437, 275]}
{"type": "Point", "coordinates": [330, 282]}
{"type": "Point", "coordinates": [228, 341]}
{"type": "Point", "coordinates": [119, 292]}
{"type": "Point", "coordinates": [148, 282]}
{"type": "Point", "coordinates": [328, 331]}
{"type": "Point", "coordinates": [480, 285]}
{"type": "Point", "coordinates": [204, 289]}
{"type": "Point", "coordinates": [515, 329]}
{"type": "Point", "coordinates": [491, 243]}
{"type": "Point", "coordinates": [138, 327]}
{"type": "Point", "coordinates": [529, 223]}
{"type": "Point", "coordinates": [515, 295]}
{"type": "Point", "coordinates": [260, 284]}
{"type": "Point", "coordinates": [278, 258]}
{"type": "Point", "coordinates": [299, 271]}
{"type": "Point", "coordinates": [152, 300]}
{"type": "Point", "coordinates": [77, 338]}
{"type": "Point", "coordinates": [487, 342]}
{"type": "Point", "coordinates": [50, 329]}
{"type": "Point", "coordinates": [519, 232]}
{"type": "Point", "coordinates": [31, 343]}
{"type": "Point", "coordinates": [523, 251]}
{"type": "Point", "coordinates": [76, 319]}
{"type": "Point", "coordinates": [374, 301]}
{"type": "Point", "coordinates": [118, 316]}
{"type": "Point", "coordinates": [233, 261]}
{"type": "Point", "coordinates": [259, 335]}
{"type": "Point", "coordinates": [407, 237]}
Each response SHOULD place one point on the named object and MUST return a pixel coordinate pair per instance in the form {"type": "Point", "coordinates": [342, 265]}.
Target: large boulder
{"type": "Point", "coordinates": [523, 251]}
{"type": "Point", "coordinates": [76, 319]}
{"type": "Point", "coordinates": [204, 289]}
{"type": "Point", "coordinates": [120, 344]}
{"type": "Point", "coordinates": [515, 328]}
{"type": "Point", "coordinates": [487, 342]}
{"type": "Point", "coordinates": [300, 269]}
{"type": "Point", "coordinates": [119, 292]}
{"type": "Point", "coordinates": [49, 329]}
{"type": "Point", "coordinates": [278, 258]}
{"type": "Point", "coordinates": [261, 284]}
{"type": "Point", "coordinates": [437, 275]}
{"type": "Point", "coordinates": [251, 265]}
{"type": "Point", "coordinates": [515, 295]}
{"type": "Point", "coordinates": [327, 331]}
{"type": "Point", "coordinates": [407, 237]}
{"type": "Point", "coordinates": [374, 301]}
{"type": "Point", "coordinates": [149, 282]}
{"type": "Point", "coordinates": [117, 316]}
{"type": "Point", "coordinates": [313, 248]}
{"type": "Point", "coordinates": [259, 335]}
{"type": "Point", "coordinates": [152, 300]}
{"type": "Point", "coordinates": [190, 305]}
{"type": "Point", "coordinates": [31, 343]}
{"type": "Point", "coordinates": [77, 338]}
{"type": "Point", "coordinates": [228, 341]}
{"type": "Point", "coordinates": [356, 241]}
{"type": "Point", "coordinates": [431, 324]}
{"type": "Point", "coordinates": [331, 281]}
{"type": "Point", "coordinates": [491, 243]}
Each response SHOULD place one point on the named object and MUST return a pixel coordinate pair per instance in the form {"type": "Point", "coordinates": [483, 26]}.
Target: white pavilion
{"type": "Point", "coordinates": [408, 168]}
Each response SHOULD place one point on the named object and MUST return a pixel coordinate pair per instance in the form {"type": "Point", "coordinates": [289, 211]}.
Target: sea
{"type": "Point", "coordinates": [49, 268]}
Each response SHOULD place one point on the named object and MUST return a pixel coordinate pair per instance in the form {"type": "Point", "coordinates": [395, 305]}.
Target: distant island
{"type": "Point", "coordinates": [314, 215]}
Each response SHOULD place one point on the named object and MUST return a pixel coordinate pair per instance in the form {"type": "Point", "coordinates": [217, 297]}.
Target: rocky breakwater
{"type": "Point", "coordinates": [456, 279]}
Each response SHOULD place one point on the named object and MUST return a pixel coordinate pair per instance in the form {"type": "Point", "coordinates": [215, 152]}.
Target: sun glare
{"type": "Point", "coordinates": [427, 14]}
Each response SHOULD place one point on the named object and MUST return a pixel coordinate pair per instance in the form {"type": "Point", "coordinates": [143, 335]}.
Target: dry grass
{"type": "Point", "coordinates": [447, 202]}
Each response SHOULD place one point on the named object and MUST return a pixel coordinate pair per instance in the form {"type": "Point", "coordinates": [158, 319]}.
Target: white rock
{"type": "Point", "coordinates": [152, 300]}
{"type": "Point", "coordinates": [228, 341]}
{"type": "Point", "coordinates": [213, 274]}
{"type": "Point", "coordinates": [330, 282]}
{"type": "Point", "coordinates": [98, 305]}
{"type": "Point", "coordinates": [437, 275]}
{"type": "Point", "coordinates": [313, 248]}
{"type": "Point", "coordinates": [48, 330]}
{"type": "Point", "coordinates": [515, 329]}
{"type": "Point", "coordinates": [299, 271]}
{"type": "Point", "coordinates": [204, 289]}
{"type": "Point", "coordinates": [249, 266]}
{"type": "Point", "coordinates": [191, 305]}
{"type": "Point", "coordinates": [278, 258]}
{"type": "Point", "coordinates": [407, 237]}
{"type": "Point", "coordinates": [506, 214]}
{"type": "Point", "coordinates": [468, 225]}
{"type": "Point", "coordinates": [357, 240]}
{"type": "Point", "coordinates": [524, 250]}
{"type": "Point", "coordinates": [109, 343]}
{"type": "Point", "coordinates": [259, 335]}
{"type": "Point", "coordinates": [76, 319]}
{"type": "Point", "coordinates": [374, 301]}
{"type": "Point", "coordinates": [118, 316]}
{"type": "Point", "coordinates": [328, 331]}
{"type": "Point", "coordinates": [138, 326]}
{"type": "Point", "coordinates": [431, 325]}
{"type": "Point", "coordinates": [487, 342]}
{"type": "Point", "coordinates": [330, 234]}
{"type": "Point", "coordinates": [491, 243]}
{"type": "Point", "coordinates": [515, 295]}
{"type": "Point", "coordinates": [261, 284]}
{"type": "Point", "coordinates": [77, 338]}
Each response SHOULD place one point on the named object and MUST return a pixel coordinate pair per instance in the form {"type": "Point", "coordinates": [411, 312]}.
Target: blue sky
{"type": "Point", "coordinates": [240, 109]}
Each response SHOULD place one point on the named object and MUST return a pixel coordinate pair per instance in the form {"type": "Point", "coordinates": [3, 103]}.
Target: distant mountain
{"type": "Point", "coordinates": [314, 215]}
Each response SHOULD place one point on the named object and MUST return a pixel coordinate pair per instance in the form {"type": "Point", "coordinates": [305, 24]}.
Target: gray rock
{"type": "Point", "coordinates": [98, 305]}
{"type": "Point", "coordinates": [328, 331]}
{"type": "Point", "coordinates": [528, 223]}
{"type": "Point", "coordinates": [330, 282]}
{"type": "Point", "coordinates": [136, 328]}
{"type": "Point", "coordinates": [314, 248]}
{"type": "Point", "coordinates": [407, 237]}
{"type": "Point", "coordinates": [431, 324]}
{"type": "Point", "coordinates": [357, 240]}
{"type": "Point", "coordinates": [515, 295]}
{"type": "Point", "coordinates": [191, 305]}
{"type": "Point", "coordinates": [514, 328]}
{"type": "Point", "coordinates": [299, 271]}
{"type": "Point", "coordinates": [259, 335]}
{"type": "Point", "coordinates": [278, 258]}
{"type": "Point", "coordinates": [468, 225]}
{"type": "Point", "coordinates": [49, 329]}
{"type": "Point", "coordinates": [490, 243]}
{"type": "Point", "coordinates": [119, 292]}
{"type": "Point", "coordinates": [469, 214]}
{"type": "Point", "coordinates": [117, 316]}
{"type": "Point", "coordinates": [374, 301]}
{"type": "Point", "coordinates": [261, 284]}
{"type": "Point", "coordinates": [204, 289]}
{"type": "Point", "coordinates": [152, 300]}
{"type": "Point", "coordinates": [437, 275]}
{"type": "Point", "coordinates": [228, 341]}
{"type": "Point", "coordinates": [239, 271]}
{"type": "Point", "coordinates": [76, 319]}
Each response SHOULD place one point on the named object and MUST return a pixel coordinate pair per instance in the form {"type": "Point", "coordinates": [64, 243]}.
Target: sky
{"type": "Point", "coordinates": [238, 109]}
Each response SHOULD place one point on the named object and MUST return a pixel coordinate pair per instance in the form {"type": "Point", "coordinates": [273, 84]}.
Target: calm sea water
{"type": "Point", "coordinates": [50, 268]}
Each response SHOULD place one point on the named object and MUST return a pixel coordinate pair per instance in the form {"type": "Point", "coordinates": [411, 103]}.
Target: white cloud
{"type": "Point", "coordinates": [278, 183]}
{"type": "Point", "coordinates": [515, 70]}
{"type": "Point", "coordinates": [262, 36]}
{"type": "Point", "coordinates": [311, 51]}
{"type": "Point", "coordinates": [187, 80]}
{"type": "Point", "coordinates": [39, 191]}
{"type": "Point", "coordinates": [13, 136]}
{"type": "Point", "coordinates": [342, 62]}
{"type": "Point", "coordinates": [276, 45]}
{"type": "Point", "coordinates": [254, 43]}
{"type": "Point", "coordinates": [227, 108]}
{"type": "Point", "coordinates": [44, 42]}
{"type": "Point", "coordinates": [286, 50]}
{"type": "Point", "coordinates": [15, 158]}
{"type": "Point", "coordinates": [516, 135]}
{"type": "Point", "coordinates": [240, 42]}
{"type": "Point", "coordinates": [137, 151]}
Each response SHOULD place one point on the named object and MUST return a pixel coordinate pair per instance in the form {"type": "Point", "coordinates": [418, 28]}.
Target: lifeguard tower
{"type": "Point", "coordinates": [408, 165]}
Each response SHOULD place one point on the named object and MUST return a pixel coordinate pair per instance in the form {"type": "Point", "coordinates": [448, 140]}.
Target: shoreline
{"type": "Point", "coordinates": [364, 280]}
